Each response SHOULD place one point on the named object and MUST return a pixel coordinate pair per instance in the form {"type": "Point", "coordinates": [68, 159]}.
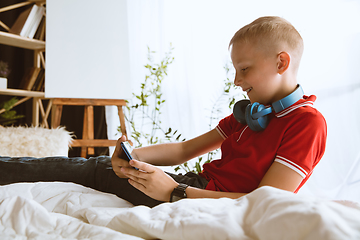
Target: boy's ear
{"type": "Point", "coordinates": [283, 63]}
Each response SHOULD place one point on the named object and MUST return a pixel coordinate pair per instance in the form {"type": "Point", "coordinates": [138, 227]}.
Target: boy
{"type": "Point", "coordinates": [278, 145]}
{"type": "Point", "coordinates": [266, 55]}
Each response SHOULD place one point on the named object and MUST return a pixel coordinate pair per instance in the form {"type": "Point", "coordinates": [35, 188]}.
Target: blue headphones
{"type": "Point", "coordinates": [255, 114]}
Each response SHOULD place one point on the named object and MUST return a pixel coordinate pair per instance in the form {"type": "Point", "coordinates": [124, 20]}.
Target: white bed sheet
{"type": "Point", "coordinates": [68, 211]}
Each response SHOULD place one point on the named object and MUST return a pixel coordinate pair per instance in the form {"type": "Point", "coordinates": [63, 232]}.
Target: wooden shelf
{"type": "Point", "coordinates": [23, 93]}
{"type": "Point", "coordinates": [38, 46]}
{"type": "Point", "coordinates": [22, 42]}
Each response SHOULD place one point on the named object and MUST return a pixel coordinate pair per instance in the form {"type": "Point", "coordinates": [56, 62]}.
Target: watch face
{"type": "Point", "coordinates": [175, 198]}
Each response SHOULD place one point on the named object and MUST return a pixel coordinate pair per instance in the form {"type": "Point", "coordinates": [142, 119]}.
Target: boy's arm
{"type": "Point", "coordinates": [155, 183]}
{"type": "Point", "coordinates": [168, 154]}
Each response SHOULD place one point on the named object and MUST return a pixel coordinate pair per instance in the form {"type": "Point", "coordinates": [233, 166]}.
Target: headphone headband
{"type": "Point", "coordinates": [288, 100]}
{"type": "Point", "coordinates": [280, 105]}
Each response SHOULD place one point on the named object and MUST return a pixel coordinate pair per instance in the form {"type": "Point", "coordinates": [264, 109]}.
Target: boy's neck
{"type": "Point", "coordinates": [289, 83]}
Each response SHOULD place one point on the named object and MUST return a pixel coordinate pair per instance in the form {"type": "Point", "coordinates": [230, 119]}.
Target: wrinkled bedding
{"type": "Point", "coordinates": [59, 210]}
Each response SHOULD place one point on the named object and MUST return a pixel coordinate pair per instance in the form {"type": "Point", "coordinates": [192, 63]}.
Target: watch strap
{"type": "Point", "coordinates": [178, 192]}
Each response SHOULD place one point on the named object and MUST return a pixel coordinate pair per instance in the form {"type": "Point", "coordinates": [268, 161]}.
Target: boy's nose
{"type": "Point", "coordinates": [237, 81]}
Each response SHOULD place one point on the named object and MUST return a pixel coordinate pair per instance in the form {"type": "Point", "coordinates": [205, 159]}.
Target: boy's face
{"type": "Point", "coordinates": [256, 73]}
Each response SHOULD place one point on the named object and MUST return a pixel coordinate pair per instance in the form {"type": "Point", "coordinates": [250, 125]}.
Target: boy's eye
{"type": "Point", "coordinates": [244, 69]}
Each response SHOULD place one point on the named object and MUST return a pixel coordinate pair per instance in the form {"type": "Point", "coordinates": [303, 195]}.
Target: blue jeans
{"type": "Point", "coordinates": [95, 172]}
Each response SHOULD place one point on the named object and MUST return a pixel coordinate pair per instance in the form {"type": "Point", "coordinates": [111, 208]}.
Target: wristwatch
{"type": "Point", "coordinates": [178, 193]}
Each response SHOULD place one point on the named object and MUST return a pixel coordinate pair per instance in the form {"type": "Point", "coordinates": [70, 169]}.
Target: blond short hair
{"type": "Point", "coordinates": [272, 34]}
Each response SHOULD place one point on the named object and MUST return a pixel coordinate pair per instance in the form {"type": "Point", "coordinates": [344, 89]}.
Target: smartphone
{"type": "Point", "coordinates": [127, 149]}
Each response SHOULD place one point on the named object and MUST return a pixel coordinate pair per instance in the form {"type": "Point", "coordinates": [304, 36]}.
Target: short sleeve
{"type": "Point", "coordinates": [228, 126]}
{"type": "Point", "coordinates": [303, 143]}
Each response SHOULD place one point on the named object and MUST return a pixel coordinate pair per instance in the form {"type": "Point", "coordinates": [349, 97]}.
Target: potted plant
{"type": "Point", "coordinates": [4, 72]}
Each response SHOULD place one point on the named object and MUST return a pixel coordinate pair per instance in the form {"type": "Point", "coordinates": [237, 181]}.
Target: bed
{"type": "Point", "coordinates": [57, 210]}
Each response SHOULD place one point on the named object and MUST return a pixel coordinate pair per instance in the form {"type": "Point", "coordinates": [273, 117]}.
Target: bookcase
{"type": "Point", "coordinates": [118, 44]}
{"type": "Point", "coordinates": [38, 47]}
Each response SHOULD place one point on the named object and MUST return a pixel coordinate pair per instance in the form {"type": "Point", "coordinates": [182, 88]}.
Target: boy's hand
{"type": "Point", "coordinates": [150, 180]}
{"type": "Point", "coordinates": [116, 161]}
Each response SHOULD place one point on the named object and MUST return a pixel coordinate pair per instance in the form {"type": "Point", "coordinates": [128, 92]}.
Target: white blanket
{"type": "Point", "coordinates": [69, 211]}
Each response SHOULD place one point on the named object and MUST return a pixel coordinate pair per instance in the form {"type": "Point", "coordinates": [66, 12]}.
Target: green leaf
{"type": "Point", "coordinates": [198, 167]}
{"type": "Point", "coordinates": [169, 131]}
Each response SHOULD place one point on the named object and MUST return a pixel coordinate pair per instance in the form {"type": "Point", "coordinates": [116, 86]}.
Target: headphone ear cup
{"type": "Point", "coordinates": [239, 110]}
{"type": "Point", "coordinates": [259, 124]}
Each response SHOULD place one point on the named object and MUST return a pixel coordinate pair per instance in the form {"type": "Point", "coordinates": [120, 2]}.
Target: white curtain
{"type": "Point", "coordinates": [200, 31]}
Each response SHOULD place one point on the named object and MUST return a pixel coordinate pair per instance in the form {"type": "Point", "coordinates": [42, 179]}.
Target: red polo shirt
{"type": "Point", "coordinates": [295, 137]}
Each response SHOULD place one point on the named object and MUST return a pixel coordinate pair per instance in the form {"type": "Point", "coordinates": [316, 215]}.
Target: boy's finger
{"type": "Point", "coordinates": [142, 166]}
{"type": "Point", "coordinates": [118, 146]}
